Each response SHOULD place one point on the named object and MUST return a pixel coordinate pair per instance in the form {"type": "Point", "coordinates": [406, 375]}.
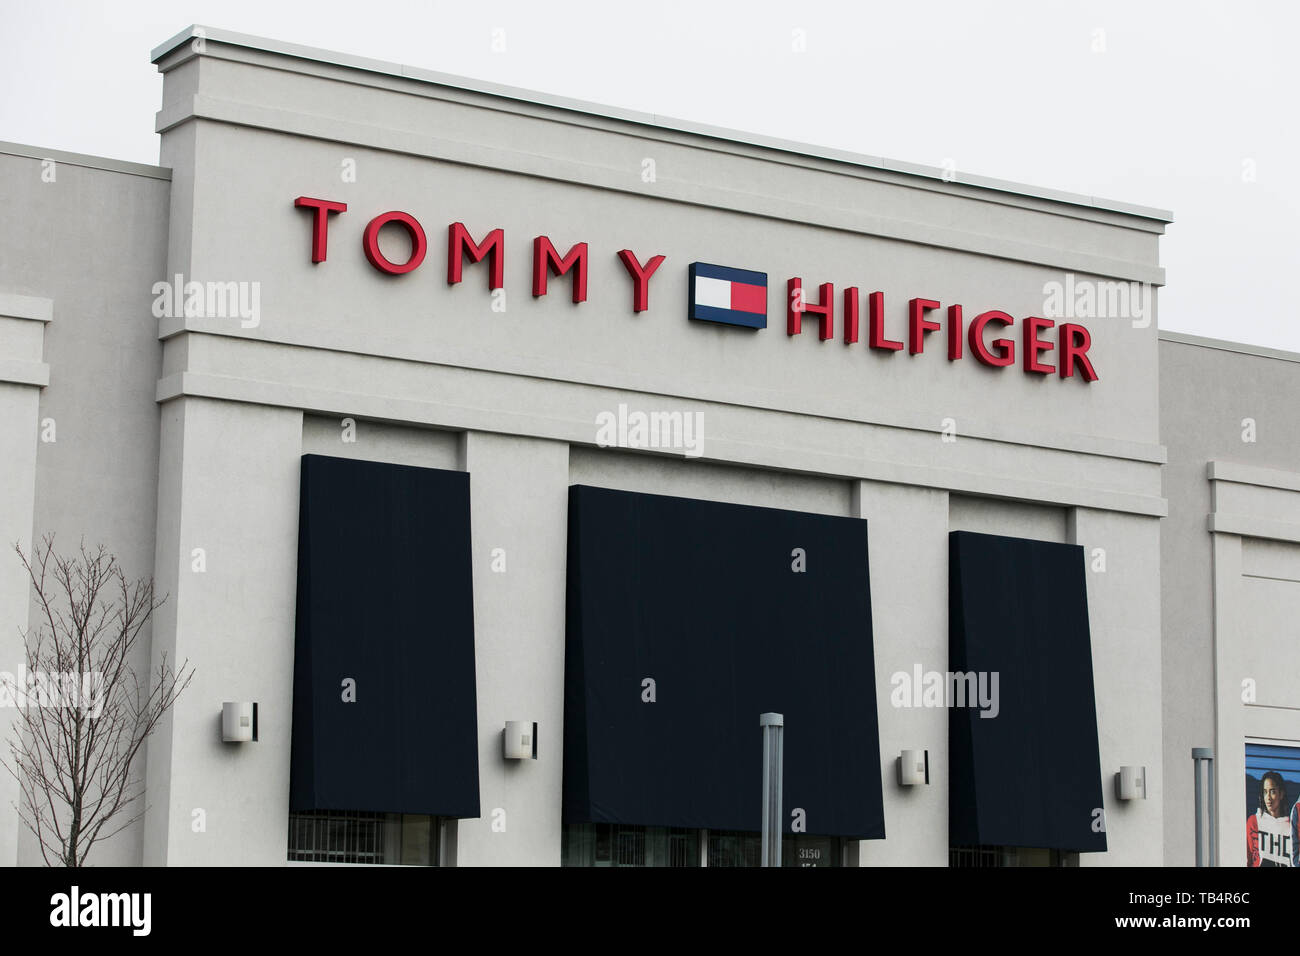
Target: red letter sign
{"type": "Point", "coordinates": [954, 332]}
{"type": "Point", "coordinates": [918, 324]}
{"type": "Point", "coordinates": [370, 242]}
{"type": "Point", "coordinates": [851, 315]}
{"type": "Point", "coordinates": [1073, 341]}
{"type": "Point", "coordinates": [460, 243]}
{"type": "Point", "coordinates": [640, 277]}
{"type": "Point", "coordinates": [1004, 352]}
{"type": "Point", "coordinates": [797, 305]}
{"type": "Point", "coordinates": [876, 324]}
{"type": "Point", "coordinates": [320, 222]}
{"type": "Point", "coordinates": [546, 260]}
{"type": "Point", "coordinates": [1033, 345]}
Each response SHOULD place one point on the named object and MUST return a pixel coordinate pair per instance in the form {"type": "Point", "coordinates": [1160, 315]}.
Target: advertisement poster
{"type": "Point", "coordinates": [1272, 792]}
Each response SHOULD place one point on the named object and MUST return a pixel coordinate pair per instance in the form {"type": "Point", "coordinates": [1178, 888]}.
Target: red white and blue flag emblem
{"type": "Point", "coordinates": [727, 295]}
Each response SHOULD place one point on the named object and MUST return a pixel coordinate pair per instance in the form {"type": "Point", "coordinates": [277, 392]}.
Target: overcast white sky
{"type": "Point", "coordinates": [1186, 106]}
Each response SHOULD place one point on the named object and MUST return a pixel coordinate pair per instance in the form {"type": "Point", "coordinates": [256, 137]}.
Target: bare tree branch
{"type": "Point", "coordinates": [83, 714]}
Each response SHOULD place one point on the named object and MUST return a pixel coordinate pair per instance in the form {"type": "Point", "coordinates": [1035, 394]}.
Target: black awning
{"type": "Point", "coordinates": [385, 600]}
{"type": "Point", "coordinates": [702, 598]}
{"type": "Point", "coordinates": [1029, 776]}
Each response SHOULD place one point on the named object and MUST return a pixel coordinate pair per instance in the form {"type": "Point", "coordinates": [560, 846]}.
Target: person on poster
{"type": "Point", "coordinates": [1295, 834]}
{"type": "Point", "coordinates": [1269, 832]}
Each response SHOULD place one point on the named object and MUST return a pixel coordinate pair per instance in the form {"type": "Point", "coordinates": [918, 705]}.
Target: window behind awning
{"type": "Point", "coordinates": [385, 599]}
{"type": "Point", "coordinates": [1030, 776]}
{"type": "Point", "coordinates": [704, 600]}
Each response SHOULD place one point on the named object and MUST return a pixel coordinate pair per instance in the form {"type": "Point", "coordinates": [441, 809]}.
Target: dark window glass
{"type": "Point", "coordinates": [608, 844]}
{"type": "Point", "coordinates": [742, 848]}
{"type": "Point", "coordinates": [353, 836]}
{"type": "Point", "coordinates": [968, 857]}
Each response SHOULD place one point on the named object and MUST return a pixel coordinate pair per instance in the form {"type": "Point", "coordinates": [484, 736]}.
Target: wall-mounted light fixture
{"type": "Point", "coordinates": [238, 722]}
{"type": "Point", "coordinates": [914, 768]}
{"type": "Point", "coordinates": [1131, 783]}
{"type": "Point", "coordinates": [519, 740]}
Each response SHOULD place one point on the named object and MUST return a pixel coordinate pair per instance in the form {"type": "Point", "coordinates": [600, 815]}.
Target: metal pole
{"type": "Point", "coordinates": [773, 756]}
{"type": "Point", "coordinates": [1196, 780]}
{"type": "Point", "coordinates": [1203, 755]}
{"type": "Point", "coordinates": [1211, 823]}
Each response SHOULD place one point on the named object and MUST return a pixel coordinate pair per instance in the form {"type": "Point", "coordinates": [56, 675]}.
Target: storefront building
{"type": "Point", "coordinates": [454, 419]}
{"type": "Point", "coordinates": [1231, 592]}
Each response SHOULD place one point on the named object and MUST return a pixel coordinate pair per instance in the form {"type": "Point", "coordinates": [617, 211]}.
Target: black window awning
{"type": "Point", "coordinates": [704, 600]}
{"type": "Point", "coordinates": [1029, 776]}
{"type": "Point", "coordinates": [385, 600]}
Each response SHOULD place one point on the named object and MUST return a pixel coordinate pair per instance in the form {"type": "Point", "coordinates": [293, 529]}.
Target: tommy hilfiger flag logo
{"type": "Point", "coordinates": [727, 295]}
